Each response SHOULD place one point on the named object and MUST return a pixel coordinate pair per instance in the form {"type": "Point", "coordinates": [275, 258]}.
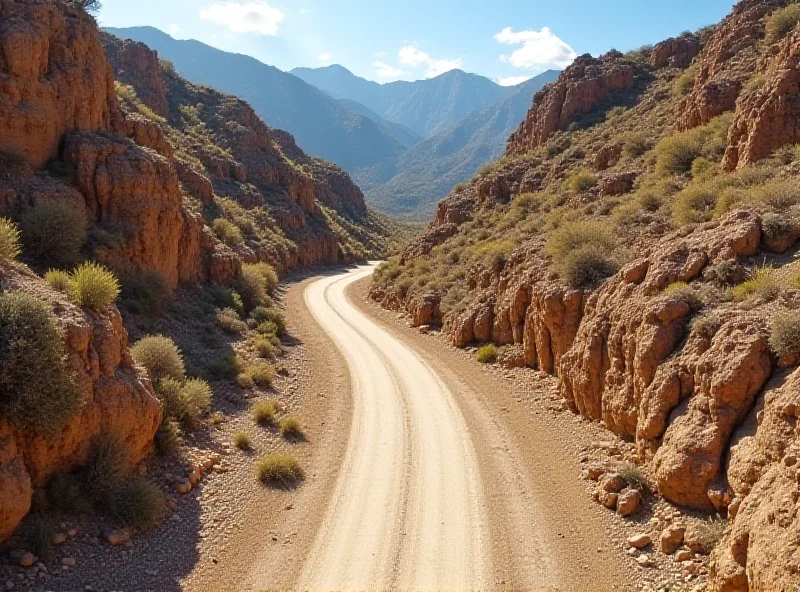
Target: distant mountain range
{"type": "Point", "coordinates": [405, 143]}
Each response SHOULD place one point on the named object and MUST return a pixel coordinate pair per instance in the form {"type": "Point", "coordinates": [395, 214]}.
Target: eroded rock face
{"type": "Point", "coordinates": [767, 117]}
{"type": "Point", "coordinates": [137, 65]}
{"type": "Point", "coordinates": [133, 192]}
{"type": "Point", "coordinates": [424, 310]}
{"type": "Point", "coordinates": [759, 550]}
{"type": "Point", "coordinates": [117, 399]}
{"type": "Point", "coordinates": [578, 89]}
{"type": "Point", "coordinates": [726, 63]}
{"type": "Point", "coordinates": [54, 78]}
{"type": "Point", "coordinates": [676, 52]}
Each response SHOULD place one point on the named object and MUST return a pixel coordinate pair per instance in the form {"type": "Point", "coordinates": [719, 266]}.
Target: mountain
{"type": "Point", "coordinates": [412, 183]}
{"type": "Point", "coordinates": [324, 126]}
{"type": "Point", "coordinates": [424, 106]}
{"type": "Point", "coordinates": [399, 132]}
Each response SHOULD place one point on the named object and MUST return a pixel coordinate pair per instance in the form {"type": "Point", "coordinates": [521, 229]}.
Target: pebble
{"type": "Point", "coordinates": [68, 561]}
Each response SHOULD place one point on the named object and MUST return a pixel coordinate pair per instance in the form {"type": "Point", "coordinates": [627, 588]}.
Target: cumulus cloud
{"type": "Point", "coordinates": [258, 18]}
{"type": "Point", "coordinates": [325, 57]}
{"type": "Point", "coordinates": [414, 58]}
{"type": "Point", "coordinates": [174, 30]}
{"type": "Point", "coordinates": [511, 80]}
{"type": "Point", "coordinates": [387, 71]}
{"type": "Point", "coordinates": [539, 51]}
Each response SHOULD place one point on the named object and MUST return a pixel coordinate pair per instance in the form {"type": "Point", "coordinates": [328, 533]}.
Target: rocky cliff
{"type": "Point", "coordinates": [637, 243]}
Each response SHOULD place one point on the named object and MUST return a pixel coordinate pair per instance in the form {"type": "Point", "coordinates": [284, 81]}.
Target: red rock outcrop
{"type": "Point", "coordinates": [676, 52]}
{"type": "Point", "coordinates": [54, 78]}
{"type": "Point", "coordinates": [134, 192]}
{"type": "Point", "coordinates": [117, 398]}
{"type": "Point", "coordinates": [726, 63]}
{"type": "Point", "coordinates": [424, 310]}
{"type": "Point", "coordinates": [579, 88]}
{"type": "Point", "coordinates": [137, 65]}
{"type": "Point", "coordinates": [759, 550]}
{"type": "Point", "coordinates": [767, 117]}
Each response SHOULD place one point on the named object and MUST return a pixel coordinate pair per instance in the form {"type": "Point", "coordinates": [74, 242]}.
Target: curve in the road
{"type": "Point", "coordinates": [408, 508]}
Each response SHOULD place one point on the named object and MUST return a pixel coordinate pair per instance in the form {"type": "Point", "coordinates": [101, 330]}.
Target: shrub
{"type": "Point", "coordinates": [264, 347]}
{"type": "Point", "coordinates": [226, 366]}
{"type": "Point", "coordinates": [290, 428]}
{"type": "Point", "coordinates": [133, 502]}
{"type": "Point", "coordinates": [572, 236]}
{"type": "Point", "coordinates": [37, 385]}
{"type": "Point", "coordinates": [262, 374]}
{"type": "Point", "coordinates": [683, 291]}
{"type": "Point", "coordinates": [53, 233]}
{"type": "Point", "coordinates": [702, 168]}
{"type": "Point", "coordinates": [262, 314]}
{"type": "Point", "coordinates": [40, 538]}
{"type": "Point", "coordinates": [65, 493]}
{"type": "Point", "coordinates": [709, 533]}
{"type": "Point", "coordinates": [168, 438]}
{"type": "Point", "coordinates": [227, 232]}
{"type": "Point", "coordinates": [634, 477]}
{"type": "Point", "coordinates": [255, 282]}
{"type": "Point", "coordinates": [685, 82]}
{"type": "Point", "coordinates": [764, 283]}
{"type": "Point", "coordinates": [195, 396]}
{"type": "Point", "coordinates": [94, 287]}
{"type": "Point", "coordinates": [779, 195]}
{"type": "Point", "coordinates": [794, 279]}
{"type": "Point", "coordinates": [694, 204]}
{"type": "Point", "coordinates": [244, 381]}
{"type": "Point", "coordinates": [784, 336]}
{"type": "Point", "coordinates": [635, 144]}
{"type": "Point", "coordinates": [487, 354]}
{"type": "Point", "coordinates": [581, 181]}
{"type": "Point", "coordinates": [9, 241]}
{"type": "Point", "coordinates": [586, 267]}
{"type": "Point", "coordinates": [777, 226]}
{"type": "Point", "coordinates": [781, 22]}
{"type": "Point", "coordinates": [229, 321]}
{"type": "Point", "coordinates": [109, 462]}
{"type": "Point", "coordinates": [725, 273]}
{"type": "Point", "coordinates": [59, 280]}
{"type": "Point", "coordinates": [706, 326]}
{"type": "Point", "coordinates": [160, 357]}
{"type": "Point", "coordinates": [264, 412]}
{"type": "Point", "coordinates": [676, 154]}
{"type": "Point", "coordinates": [145, 292]}
{"type": "Point", "coordinates": [278, 469]}
{"type": "Point", "coordinates": [242, 441]}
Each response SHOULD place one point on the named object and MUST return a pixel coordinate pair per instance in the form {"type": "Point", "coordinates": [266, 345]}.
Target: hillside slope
{"type": "Point", "coordinates": [411, 184]}
{"type": "Point", "coordinates": [639, 242]}
{"type": "Point", "coordinates": [424, 106]}
{"type": "Point", "coordinates": [323, 126]}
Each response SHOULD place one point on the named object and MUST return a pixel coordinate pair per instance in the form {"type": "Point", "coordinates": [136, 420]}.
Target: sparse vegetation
{"type": "Point", "coordinates": [581, 181]}
{"type": "Point", "coordinates": [134, 502]}
{"type": "Point", "coordinates": [262, 374]}
{"type": "Point", "coordinates": [265, 412]}
{"type": "Point", "coordinates": [278, 469]}
{"type": "Point", "coordinates": [60, 281]}
{"type": "Point", "coordinates": [169, 438]}
{"type": "Point", "coordinates": [583, 251]}
{"type": "Point", "coordinates": [9, 241]}
{"type": "Point", "coordinates": [160, 357]}
{"type": "Point", "coordinates": [242, 441]}
{"type": "Point", "coordinates": [290, 428]}
{"type": "Point", "coordinates": [229, 321]}
{"type": "Point", "coordinates": [784, 336]}
{"type": "Point", "coordinates": [487, 354]}
{"type": "Point", "coordinates": [634, 477]}
{"type": "Point", "coordinates": [145, 292]}
{"type": "Point", "coordinates": [763, 283]}
{"type": "Point", "coordinates": [255, 283]}
{"type": "Point", "coordinates": [37, 386]}
{"type": "Point", "coordinates": [53, 233]}
{"type": "Point", "coordinates": [781, 22]}
{"type": "Point", "coordinates": [710, 533]}
{"type": "Point", "coordinates": [227, 232]}
{"type": "Point", "coordinates": [94, 287]}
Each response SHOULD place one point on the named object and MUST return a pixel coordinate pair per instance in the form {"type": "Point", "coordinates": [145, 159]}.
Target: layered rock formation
{"type": "Point", "coordinates": [116, 398]}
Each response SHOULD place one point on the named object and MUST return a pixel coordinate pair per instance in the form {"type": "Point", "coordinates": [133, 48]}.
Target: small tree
{"type": "Point", "coordinates": [87, 5]}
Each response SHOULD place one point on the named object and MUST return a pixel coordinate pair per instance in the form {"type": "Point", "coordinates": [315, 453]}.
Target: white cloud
{"type": "Point", "coordinates": [413, 57]}
{"type": "Point", "coordinates": [540, 49]}
{"type": "Point", "coordinates": [511, 80]}
{"type": "Point", "coordinates": [253, 17]}
{"type": "Point", "coordinates": [387, 71]}
{"type": "Point", "coordinates": [174, 30]}
{"type": "Point", "coordinates": [325, 57]}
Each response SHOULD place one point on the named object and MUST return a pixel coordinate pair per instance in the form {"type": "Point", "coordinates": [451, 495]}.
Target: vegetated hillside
{"type": "Point", "coordinates": [144, 188]}
{"type": "Point", "coordinates": [401, 133]}
{"type": "Point", "coordinates": [639, 241]}
{"type": "Point", "coordinates": [323, 126]}
{"type": "Point", "coordinates": [424, 106]}
{"type": "Point", "coordinates": [411, 184]}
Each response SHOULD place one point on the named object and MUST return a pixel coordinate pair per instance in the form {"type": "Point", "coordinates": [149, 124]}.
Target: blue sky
{"type": "Point", "coordinates": [506, 40]}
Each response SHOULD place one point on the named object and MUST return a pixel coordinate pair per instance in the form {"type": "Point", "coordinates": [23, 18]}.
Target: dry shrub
{"type": "Point", "coordinates": [227, 232]}
{"type": "Point", "coordinates": [160, 357]}
{"type": "Point", "coordinates": [764, 283]}
{"type": "Point", "coordinates": [784, 336]}
{"type": "Point", "coordinates": [9, 241]}
{"type": "Point", "coordinates": [278, 469]}
{"type": "Point", "coordinates": [781, 22]}
{"type": "Point", "coordinates": [487, 354]}
{"type": "Point", "coordinates": [290, 428]}
{"type": "Point", "coordinates": [53, 233]}
{"type": "Point", "coordinates": [94, 287]}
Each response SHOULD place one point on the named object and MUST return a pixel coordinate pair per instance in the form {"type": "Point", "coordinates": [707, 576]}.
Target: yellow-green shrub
{"type": "Point", "coordinates": [278, 469]}
{"type": "Point", "coordinates": [160, 357]}
{"type": "Point", "coordinates": [781, 22]}
{"type": "Point", "coordinates": [764, 283]}
{"type": "Point", "coordinates": [227, 232]}
{"type": "Point", "coordinates": [581, 181]}
{"type": "Point", "coordinates": [94, 286]}
{"type": "Point", "coordinates": [9, 241]}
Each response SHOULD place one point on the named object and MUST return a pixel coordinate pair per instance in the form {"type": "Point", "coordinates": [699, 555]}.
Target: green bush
{"type": "Point", "coordinates": [109, 461]}
{"type": "Point", "coordinates": [196, 397]}
{"type": "Point", "coordinates": [264, 412]}
{"type": "Point", "coordinates": [581, 181]}
{"type": "Point", "coordinates": [37, 385]}
{"type": "Point", "coordinates": [764, 283]}
{"type": "Point", "coordinates": [53, 233]}
{"type": "Point", "coordinates": [636, 144]}
{"type": "Point", "coordinates": [278, 469]}
{"type": "Point", "coordinates": [262, 315]}
{"type": "Point", "coordinates": [683, 291]}
{"type": "Point", "coordinates": [256, 281]}
{"type": "Point", "coordinates": [226, 366]}
{"type": "Point", "coordinates": [60, 281]}
{"type": "Point", "coordinates": [694, 204]}
{"type": "Point", "coordinates": [169, 438]}
{"type": "Point", "coordinates": [229, 321]}
{"type": "Point", "coordinates": [262, 374]}
{"type": "Point", "coordinates": [572, 236]}
{"type": "Point", "coordinates": [9, 241]}
{"type": "Point", "coordinates": [227, 232]}
{"type": "Point", "coordinates": [676, 154]}
{"type": "Point", "coordinates": [781, 22]}
{"type": "Point", "coordinates": [94, 287]}
{"type": "Point", "coordinates": [134, 502]}
{"type": "Point", "coordinates": [779, 226]}
{"type": "Point", "coordinates": [587, 266]}
{"type": "Point", "coordinates": [487, 354]}
{"type": "Point", "coordinates": [160, 357]}
{"type": "Point", "coordinates": [685, 82]}
{"type": "Point", "coordinates": [290, 428]}
{"type": "Point", "coordinates": [703, 168]}
{"type": "Point", "coordinates": [242, 441]}
{"type": "Point", "coordinates": [145, 292]}
{"type": "Point", "coordinates": [634, 477]}
{"type": "Point", "coordinates": [784, 336]}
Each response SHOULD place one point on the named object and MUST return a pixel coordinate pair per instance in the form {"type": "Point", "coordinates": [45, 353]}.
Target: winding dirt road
{"type": "Point", "coordinates": [408, 510]}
